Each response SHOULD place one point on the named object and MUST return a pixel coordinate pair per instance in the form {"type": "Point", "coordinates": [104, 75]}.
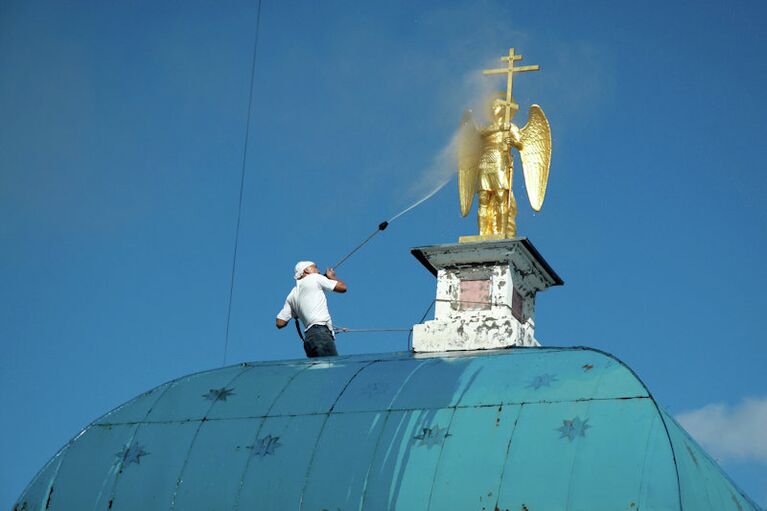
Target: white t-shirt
{"type": "Point", "coordinates": [307, 301]}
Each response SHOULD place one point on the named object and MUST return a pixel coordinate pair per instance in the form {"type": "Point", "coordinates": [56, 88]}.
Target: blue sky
{"type": "Point", "coordinates": [121, 141]}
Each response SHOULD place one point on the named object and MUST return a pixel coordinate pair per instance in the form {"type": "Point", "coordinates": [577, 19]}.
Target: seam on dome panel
{"type": "Point", "coordinates": [61, 453]}
{"type": "Point", "coordinates": [57, 458]}
{"type": "Point", "coordinates": [204, 419]}
{"type": "Point", "coordinates": [322, 430]}
{"type": "Point", "coordinates": [702, 475]}
{"type": "Point", "coordinates": [263, 418]}
{"type": "Point", "coordinates": [662, 419]}
{"type": "Point", "coordinates": [439, 460]}
{"type": "Point", "coordinates": [373, 457]}
{"type": "Point", "coordinates": [131, 438]}
{"type": "Point", "coordinates": [404, 409]}
{"type": "Point", "coordinates": [640, 493]}
{"type": "Point", "coordinates": [506, 457]}
{"type": "Point", "coordinates": [388, 412]}
{"type": "Point", "coordinates": [577, 447]}
{"type": "Point", "coordinates": [714, 463]}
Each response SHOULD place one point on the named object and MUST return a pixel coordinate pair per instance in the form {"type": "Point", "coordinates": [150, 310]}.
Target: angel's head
{"type": "Point", "coordinates": [498, 110]}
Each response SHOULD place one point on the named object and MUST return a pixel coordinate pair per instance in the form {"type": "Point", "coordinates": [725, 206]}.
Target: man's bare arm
{"type": "Point", "coordinates": [281, 323]}
{"type": "Point", "coordinates": [340, 284]}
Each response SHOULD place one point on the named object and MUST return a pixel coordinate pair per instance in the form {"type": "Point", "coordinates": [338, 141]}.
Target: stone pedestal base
{"type": "Point", "coordinates": [485, 295]}
{"type": "Point", "coordinates": [477, 331]}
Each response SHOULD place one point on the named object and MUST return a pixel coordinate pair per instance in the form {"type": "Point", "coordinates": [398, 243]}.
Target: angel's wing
{"type": "Point", "coordinates": [536, 155]}
{"type": "Point", "coordinates": [469, 145]}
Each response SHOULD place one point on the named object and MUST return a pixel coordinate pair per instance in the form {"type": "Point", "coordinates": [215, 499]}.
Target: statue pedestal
{"type": "Point", "coordinates": [485, 295]}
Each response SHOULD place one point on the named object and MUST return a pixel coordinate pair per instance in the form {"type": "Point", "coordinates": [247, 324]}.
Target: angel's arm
{"type": "Point", "coordinates": [515, 136]}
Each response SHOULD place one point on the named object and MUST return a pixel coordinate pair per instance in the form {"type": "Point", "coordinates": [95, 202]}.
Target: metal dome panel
{"type": "Point", "coordinates": [535, 428]}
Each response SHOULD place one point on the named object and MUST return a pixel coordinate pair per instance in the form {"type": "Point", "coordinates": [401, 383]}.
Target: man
{"type": "Point", "coordinates": [307, 302]}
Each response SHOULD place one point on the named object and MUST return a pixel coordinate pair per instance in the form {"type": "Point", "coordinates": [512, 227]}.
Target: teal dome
{"type": "Point", "coordinates": [521, 429]}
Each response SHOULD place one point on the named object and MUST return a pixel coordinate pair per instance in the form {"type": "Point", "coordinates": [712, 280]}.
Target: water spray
{"type": "Point", "coordinates": [383, 225]}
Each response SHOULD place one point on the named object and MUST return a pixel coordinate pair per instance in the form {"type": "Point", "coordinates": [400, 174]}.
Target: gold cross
{"type": "Point", "coordinates": [509, 72]}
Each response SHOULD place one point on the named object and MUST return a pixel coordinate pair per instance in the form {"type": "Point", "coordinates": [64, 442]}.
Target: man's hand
{"type": "Point", "coordinates": [281, 323]}
{"type": "Point", "coordinates": [340, 284]}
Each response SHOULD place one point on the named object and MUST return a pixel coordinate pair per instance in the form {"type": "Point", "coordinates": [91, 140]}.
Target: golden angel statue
{"type": "Point", "coordinates": [486, 165]}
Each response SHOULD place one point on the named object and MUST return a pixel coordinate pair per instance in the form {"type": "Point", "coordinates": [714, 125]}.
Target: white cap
{"type": "Point", "coordinates": [300, 267]}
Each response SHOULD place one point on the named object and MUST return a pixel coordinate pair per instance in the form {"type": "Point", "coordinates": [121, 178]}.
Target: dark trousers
{"type": "Point", "coordinates": [319, 342]}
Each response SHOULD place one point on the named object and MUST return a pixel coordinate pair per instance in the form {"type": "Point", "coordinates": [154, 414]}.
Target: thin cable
{"type": "Point", "coordinates": [242, 182]}
{"type": "Point", "coordinates": [492, 304]}
{"type": "Point", "coordinates": [344, 330]}
{"type": "Point", "coordinates": [410, 335]}
{"type": "Point", "coordinates": [365, 330]}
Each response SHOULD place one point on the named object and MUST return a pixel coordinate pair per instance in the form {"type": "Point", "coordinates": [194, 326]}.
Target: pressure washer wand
{"type": "Point", "coordinates": [383, 225]}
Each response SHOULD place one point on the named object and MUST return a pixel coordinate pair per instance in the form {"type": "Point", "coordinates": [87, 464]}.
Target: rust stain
{"type": "Point", "coordinates": [587, 367]}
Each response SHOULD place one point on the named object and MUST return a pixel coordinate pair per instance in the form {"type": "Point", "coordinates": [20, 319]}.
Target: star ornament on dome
{"type": "Point", "coordinates": [131, 453]}
{"type": "Point", "coordinates": [543, 380]}
{"type": "Point", "coordinates": [431, 436]}
{"type": "Point", "coordinates": [573, 428]}
{"type": "Point", "coordinates": [265, 446]}
{"type": "Point", "coordinates": [218, 394]}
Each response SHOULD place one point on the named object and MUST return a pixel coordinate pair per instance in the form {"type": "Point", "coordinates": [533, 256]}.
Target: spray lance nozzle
{"type": "Point", "coordinates": [383, 225]}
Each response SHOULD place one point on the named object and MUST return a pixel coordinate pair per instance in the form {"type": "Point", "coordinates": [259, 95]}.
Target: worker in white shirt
{"type": "Point", "coordinates": [307, 302]}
